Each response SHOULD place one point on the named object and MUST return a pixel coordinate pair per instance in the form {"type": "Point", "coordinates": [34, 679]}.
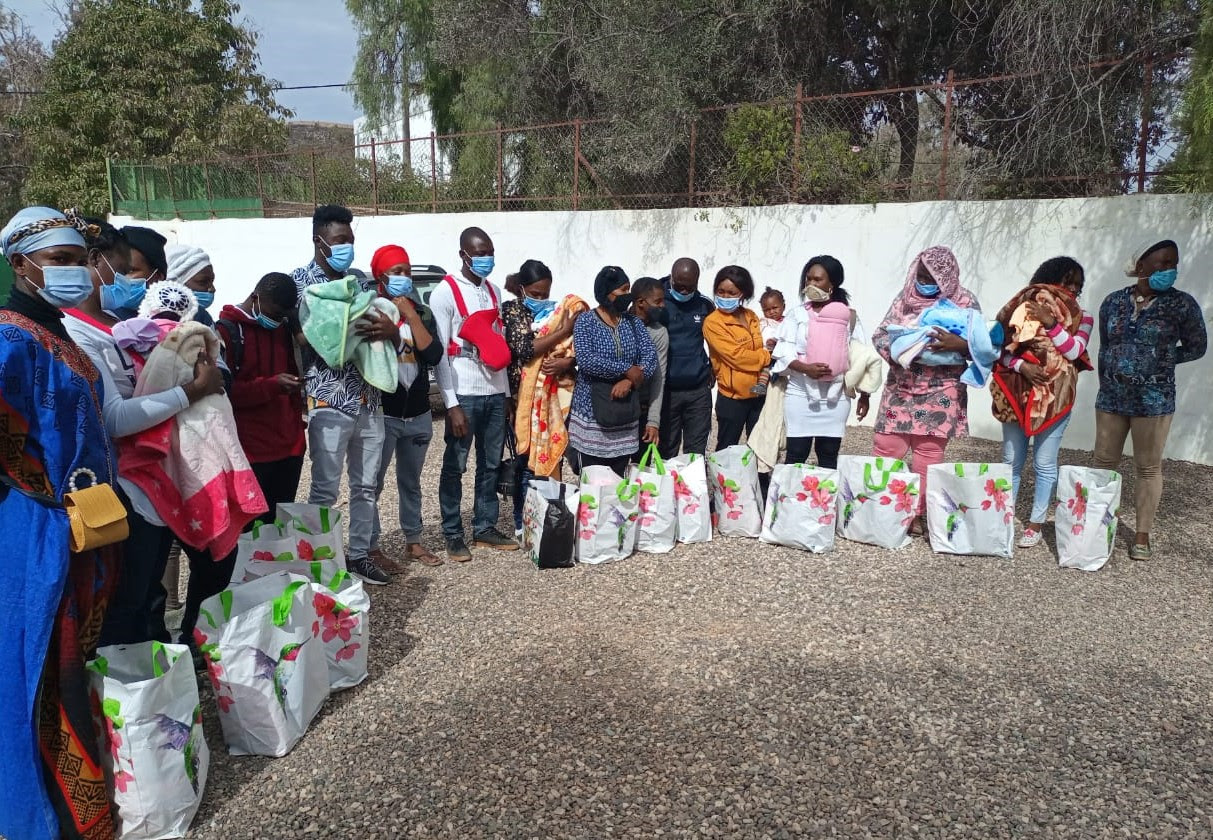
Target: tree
{"type": "Point", "coordinates": [141, 79]}
{"type": "Point", "coordinates": [650, 68]}
{"type": "Point", "coordinates": [22, 59]}
{"type": "Point", "coordinates": [1193, 165]}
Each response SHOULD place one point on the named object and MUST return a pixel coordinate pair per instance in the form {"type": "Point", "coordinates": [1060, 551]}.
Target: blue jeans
{"type": "Point", "coordinates": [522, 482]}
{"type": "Point", "coordinates": [337, 441]}
{"type": "Point", "coordinates": [1044, 462]}
{"type": "Point", "coordinates": [408, 440]}
{"type": "Point", "coordinates": [486, 426]}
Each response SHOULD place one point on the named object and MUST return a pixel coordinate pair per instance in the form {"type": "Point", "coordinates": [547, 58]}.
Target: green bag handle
{"type": "Point", "coordinates": [982, 469]}
{"type": "Point", "coordinates": [158, 651]}
{"type": "Point", "coordinates": [225, 599]}
{"type": "Point", "coordinates": [317, 569]}
{"type": "Point", "coordinates": [652, 456]}
{"type": "Point", "coordinates": [259, 524]}
{"type": "Point", "coordinates": [626, 491]}
{"type": "Point", "coordinates": [282, 604]}
{"type": "Point", "coordinates": [100, 665]}
{"type": "Point", "coordinates": [325, 526]}
{"type": "Point", "coordinates": [894, 466]}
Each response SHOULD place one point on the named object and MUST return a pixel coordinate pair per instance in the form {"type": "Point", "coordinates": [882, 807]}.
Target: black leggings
{"type": "Point", "coordinates": [735, 416]}
{"type": "Point", "coordinates": [827, 451]}
{"type": "Point", "coordinates": [208, 577]}
{"type": "Point", "coordinates": [579, 461]}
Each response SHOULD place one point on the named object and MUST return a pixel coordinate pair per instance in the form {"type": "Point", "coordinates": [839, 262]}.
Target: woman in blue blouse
{"type": "Point", "coordinates": [614, 354]}
{"type": "Point", "coordinates": [1145, 330]}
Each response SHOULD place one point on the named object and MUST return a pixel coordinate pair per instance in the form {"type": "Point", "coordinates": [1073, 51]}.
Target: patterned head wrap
{"type": "Point", "coordinates": [941, 264]}
{"type": "Point", "coordinates": [35, 228]}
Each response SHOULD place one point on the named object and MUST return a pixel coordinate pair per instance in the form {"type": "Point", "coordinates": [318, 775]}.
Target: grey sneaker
{"type": "Point", "coordinates": [365, 570]}
{"type": "Point", "coordinates": [457, 550]}
{"type": "Point", "coordinates": [492, 538]}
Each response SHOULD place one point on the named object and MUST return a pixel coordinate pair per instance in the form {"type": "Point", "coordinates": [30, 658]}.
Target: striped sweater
{"type": "Point", "coordinates": [1070, 345]}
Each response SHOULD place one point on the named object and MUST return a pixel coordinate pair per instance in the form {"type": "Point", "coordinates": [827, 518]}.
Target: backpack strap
{"type": "Point", "coordinates": [235, 347]}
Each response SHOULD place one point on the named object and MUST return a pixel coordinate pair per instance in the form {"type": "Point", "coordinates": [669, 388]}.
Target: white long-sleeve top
{"type": "Point", "coordinates": [462, 375]}
{"type": "Point", "coordinates": [124, 414]}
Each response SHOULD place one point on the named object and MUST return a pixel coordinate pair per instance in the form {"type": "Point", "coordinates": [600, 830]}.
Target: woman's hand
{"type": "Point", "coordinates": [1039, 312]}
{"type": "Point", "coordinates": [818, 370]}
{"type": "Point", "coordinates": [862, 406]}
{"type": "Point", "coordinates": [208, 380]}
{"type": "Point", "coordinates": [944, 341]}
{"type": "Point", "coordinates": [771, 342]}
{"type": "Point", "coordinates": [635, 375]}
{"type": "Point", "coordinates": [622, 388]}
{"type": "Point", "coordinates": [375, 326]}
{"type": "Point", "coordinates": [557, 367]}
{"type": "Point", "coordinates": [651, 434]}
{"type": "Point", "coordinates": [1033, 373]}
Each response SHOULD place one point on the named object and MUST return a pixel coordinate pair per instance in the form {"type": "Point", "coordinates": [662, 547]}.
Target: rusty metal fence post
{"type": "Point", "coordinates": [500, 165]}
{"type": "Point", "coordinates": [1143, 142]}
{"type": "Point", "coordinates": [433, 173]}
{"type": "Point", "coordinates": [947, 136]}
{"type": "Point", "coordinates": [315, 203]}
{"type": "Point", "coordinates": [260, 186]}
{"type": "Point", "coordinates": [797, 130]}
{"type": "Point", "coordinates": [576, 164]}
{"type": "Point", "coordinates": [691, 164]}
{"type": "Point", "coordinates": [374, 176]}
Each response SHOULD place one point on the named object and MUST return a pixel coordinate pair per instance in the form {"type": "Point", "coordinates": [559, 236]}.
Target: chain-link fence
{"type": "Point", "coordinates": [1103, 129]}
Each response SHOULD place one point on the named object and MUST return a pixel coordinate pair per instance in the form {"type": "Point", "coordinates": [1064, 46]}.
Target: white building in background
{"type": "Point", "coordinates": [388, 146]}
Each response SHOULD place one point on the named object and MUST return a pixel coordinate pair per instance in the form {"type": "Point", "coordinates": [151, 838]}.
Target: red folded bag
{"type": "Point", "coordinates": [482, 330]}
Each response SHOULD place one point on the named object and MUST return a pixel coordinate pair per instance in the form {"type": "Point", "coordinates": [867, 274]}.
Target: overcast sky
{"type": "Point", "coordinates": [301, 42]}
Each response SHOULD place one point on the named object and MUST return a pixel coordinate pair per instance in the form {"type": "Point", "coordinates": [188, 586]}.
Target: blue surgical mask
{"type": "Point", "coordinates": [725, 304]}
{"type": "Point", "coordinates": [399, 285]}
{"type": "Point", "coordinates": [1160, 281]}
{"type": "Point", "coordinates": [65, 286]}
{"type": "Point", "coordinates": [681, 297]}
{"type": "Point", "coordinates": [927, 289]}
{"type": "Point", "coordinates": [539, 308]}
{"type": "Point", "coordinates": [340, 257]}
{"type": "Point", "coordinates": [123, 296]}
{"type": "Point", "coordinates": [482, 267]}
{"type": "Point", "coordinates": [264, 320]}
{"type": "Point", "coordinates": [205, 299]}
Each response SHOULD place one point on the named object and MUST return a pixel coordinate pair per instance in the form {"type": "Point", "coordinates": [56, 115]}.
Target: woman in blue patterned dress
{"type": "Point", "coordinates": [1145, 330]}
{"type": "Point", "coordinates": [612, 348]}
{"type": "Point", "coordinates": [52, 432]}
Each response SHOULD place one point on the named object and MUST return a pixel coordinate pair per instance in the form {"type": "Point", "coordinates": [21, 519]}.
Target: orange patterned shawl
{"type": "Point", "coordinates": [544, 401]}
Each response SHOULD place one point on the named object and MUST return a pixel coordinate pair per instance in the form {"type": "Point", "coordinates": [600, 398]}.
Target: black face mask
{"type": "Point", "coordinates": [622, 303]}
{"type": "Point", "coordinates": [660, 315]}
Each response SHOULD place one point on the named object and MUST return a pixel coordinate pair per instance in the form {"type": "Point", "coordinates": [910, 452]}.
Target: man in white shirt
{"type": "Point", "coordinates": [474, 394]}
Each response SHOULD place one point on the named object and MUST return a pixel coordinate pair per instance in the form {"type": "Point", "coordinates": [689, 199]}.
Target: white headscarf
{"type": "Point", "coordinates": [1139, 252]}
{"type": "Point", "coordinates": [184, 261]}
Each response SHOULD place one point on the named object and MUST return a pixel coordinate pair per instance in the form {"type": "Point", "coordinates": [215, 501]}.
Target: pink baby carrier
{"type": "Point", "coordinates": [829, 337]}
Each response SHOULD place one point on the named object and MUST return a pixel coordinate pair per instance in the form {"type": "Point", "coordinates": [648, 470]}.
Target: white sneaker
{"type": "Point", "coordinates": [1030, 538]}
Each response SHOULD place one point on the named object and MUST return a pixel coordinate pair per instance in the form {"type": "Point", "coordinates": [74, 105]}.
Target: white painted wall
{"type": "Point", "coordinates": [998, 243]}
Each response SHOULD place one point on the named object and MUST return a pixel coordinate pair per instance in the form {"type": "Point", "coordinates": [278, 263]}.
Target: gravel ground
{"type": "Point", "coordinates": [739, 689]}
